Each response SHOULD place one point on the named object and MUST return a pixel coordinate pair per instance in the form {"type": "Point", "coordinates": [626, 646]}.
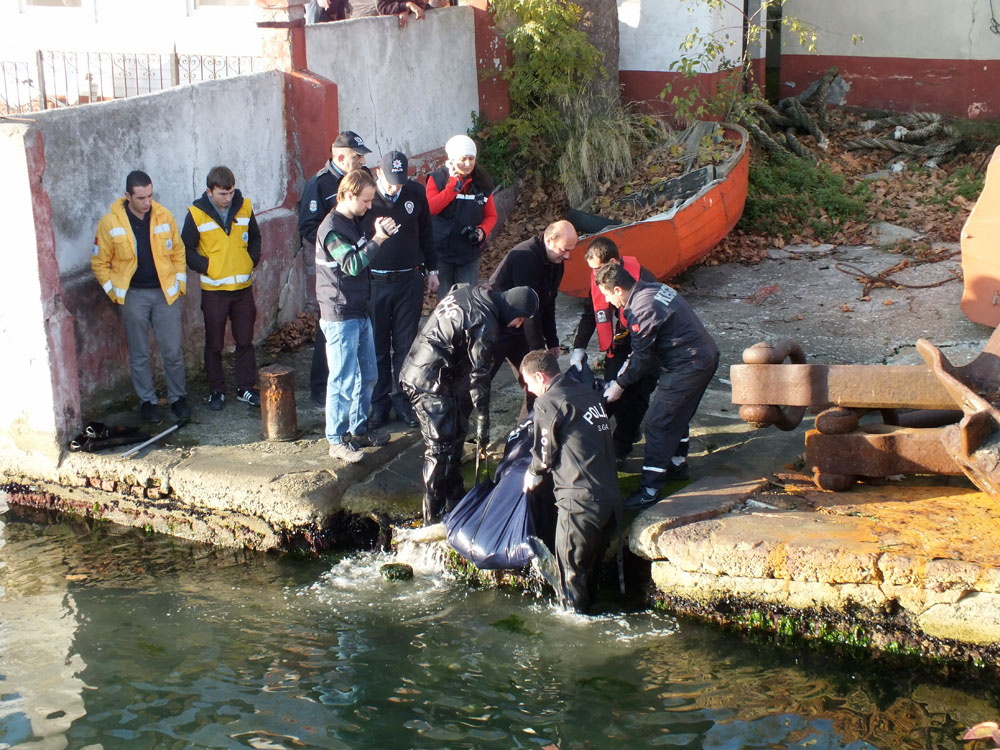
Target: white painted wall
{"type": "Point", "coordinates": [397, 88]}
{"type": "Point", "coordinates": [921, 29]}
{"type": "Point", "coordinates": [651, 32]}
{"type": "Point", "coordinates": [128, 26]}
{"type": "Point", "coordinates": [175, 136]}
{"type": "Point", "coordinates": [27, 413]}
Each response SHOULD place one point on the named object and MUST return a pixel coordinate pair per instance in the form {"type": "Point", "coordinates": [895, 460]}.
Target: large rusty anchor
{"type": "Point", "coordinates": [916, 403]}
{"type": "Point", "coordinates": [973, 443]}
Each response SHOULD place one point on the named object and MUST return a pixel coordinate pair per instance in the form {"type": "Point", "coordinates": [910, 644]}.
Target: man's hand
{"type": "Point", "coordinates": [555, 351]}
{"type": "Point", "coordinates": [416, 10]}
{"type": "Point", "coordinates": [324, 4]}
{"type": "Point", "coordinates": [576, 358]}
{"type": "Point", "coordinates": [433, 282]}
{"type": "Point", "coordinates": [384, 227]}
{"type": "Point", "coordinates": [531, 481]}
{"type": "Point", "coordinates": [613, 392]}
{"type": "Point", "coordinates": [483, 430]}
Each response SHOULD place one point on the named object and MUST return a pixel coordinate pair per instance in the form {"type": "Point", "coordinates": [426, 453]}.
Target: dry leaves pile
{"type": "Point", "coordinates": [293, 335]}
{"type": "Point", "coordinates": [908, 198]}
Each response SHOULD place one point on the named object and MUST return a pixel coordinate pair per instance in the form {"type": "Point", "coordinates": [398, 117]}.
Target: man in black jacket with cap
{"type": "Point", "coordinates": [398, 282]}
{"type": "Point", "coordinates": [670, 340]}
{"type": "Point", "coordinates": [572, 442]}
{"type": "Point", "coordinates": [319, 198]}
{"type": "Point", "coordinates": [447, 374]}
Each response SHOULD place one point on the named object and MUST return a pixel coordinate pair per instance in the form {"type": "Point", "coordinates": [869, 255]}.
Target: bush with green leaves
{"type": "Point", "coordinates": [786, 193]}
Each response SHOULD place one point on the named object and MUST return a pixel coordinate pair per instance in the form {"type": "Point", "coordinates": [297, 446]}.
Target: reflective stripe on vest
{"type": "Point", "coordinates": [602, 308]}
{"type": "Point", "coordinates": [237, 279]}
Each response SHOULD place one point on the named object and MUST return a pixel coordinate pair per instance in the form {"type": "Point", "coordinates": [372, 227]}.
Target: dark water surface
{"type": "Point", "coordinates": [110, 638]}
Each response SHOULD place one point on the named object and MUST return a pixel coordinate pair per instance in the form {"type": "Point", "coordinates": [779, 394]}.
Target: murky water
{"type": "Point", "coordinates": [110, 638]}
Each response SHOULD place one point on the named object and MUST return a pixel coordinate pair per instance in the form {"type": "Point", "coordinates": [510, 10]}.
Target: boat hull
{"type": "Point", "coordinates": [670, 242]}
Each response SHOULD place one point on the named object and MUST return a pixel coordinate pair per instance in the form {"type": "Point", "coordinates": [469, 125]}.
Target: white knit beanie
{"type": "Point", "coordinates": [459, 146]}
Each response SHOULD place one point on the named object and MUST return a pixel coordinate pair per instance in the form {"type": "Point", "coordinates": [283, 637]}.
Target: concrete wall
{"type": "Point", "coordinates": [915, 54]}
{"type": "Point", "coordinates": [176, 136]}
{"type": "Point", "coordinates": [408, 89]}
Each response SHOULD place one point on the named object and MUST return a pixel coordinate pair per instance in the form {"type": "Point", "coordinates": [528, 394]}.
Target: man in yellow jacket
{"type": "Point", "coordinates": [138, 259]}
{"type": "Point", "coordinates": [222, 242]}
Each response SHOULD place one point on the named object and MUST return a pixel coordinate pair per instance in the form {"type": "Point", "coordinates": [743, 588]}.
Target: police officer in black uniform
{"type": "Point", "coordinates": [613, 339]}
{"type": "Point", "coordinates": [536, 263]}
{"type": "Point", "coordinates": [398, 282]}
{"type": "Point", "coordinates": [668, 338]}
{"type": "Point", "coordinates": [319, 197]}
{"type": "Point", "coordinates": [447, 374]}
{"type": "Point", "coordinates": [572, 442]}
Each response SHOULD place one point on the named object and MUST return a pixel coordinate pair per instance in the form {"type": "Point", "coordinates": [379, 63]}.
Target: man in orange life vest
{"type": "Point", "coordinates": [612, 337]}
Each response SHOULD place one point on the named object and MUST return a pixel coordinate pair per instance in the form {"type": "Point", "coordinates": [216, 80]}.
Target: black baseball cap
{"type": "Point", "coordinates": [350, 139]}
{"type": "Point", "coordinates": [394, 167]}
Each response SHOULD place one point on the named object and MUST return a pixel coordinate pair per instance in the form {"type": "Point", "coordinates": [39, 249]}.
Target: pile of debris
{"type": "Point", "coordinates": [293, 335]}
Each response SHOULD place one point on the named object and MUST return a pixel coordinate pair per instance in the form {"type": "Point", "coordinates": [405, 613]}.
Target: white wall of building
{"type": "Point", "coordinates": [128, 26]}
{"type": "Point", "coordinates": [922, 29]}
{"type": "Point", "coordinates": [397, 88]}
{"type": "Point", "coordinates": [651, 32]}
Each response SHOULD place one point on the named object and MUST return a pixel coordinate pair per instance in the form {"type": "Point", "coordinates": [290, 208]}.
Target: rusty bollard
{"type": "Point", "coordinates": [277, 403]}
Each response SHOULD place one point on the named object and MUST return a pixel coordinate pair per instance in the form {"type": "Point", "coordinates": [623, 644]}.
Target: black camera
{"type": "Point", "coordinates": [471, 234]}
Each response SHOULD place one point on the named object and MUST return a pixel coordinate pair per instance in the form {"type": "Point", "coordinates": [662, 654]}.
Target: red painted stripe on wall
{"type": "Point", "coordinates": [964, 88]}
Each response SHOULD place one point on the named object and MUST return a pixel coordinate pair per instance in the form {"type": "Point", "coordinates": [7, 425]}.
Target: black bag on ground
{"type": "Point", "coordinates": [97, 436]}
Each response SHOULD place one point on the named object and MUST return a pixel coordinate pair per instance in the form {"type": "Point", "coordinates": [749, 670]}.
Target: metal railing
{"type": "Point", "coordinates": [64, 79]}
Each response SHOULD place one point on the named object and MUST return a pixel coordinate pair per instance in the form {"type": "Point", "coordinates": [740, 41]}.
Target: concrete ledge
{"type": "Point", "coordinates": [703, 499]}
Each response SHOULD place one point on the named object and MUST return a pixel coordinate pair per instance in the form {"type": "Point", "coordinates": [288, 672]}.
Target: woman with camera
{"type": "Point", "coordinates": [460, 196]}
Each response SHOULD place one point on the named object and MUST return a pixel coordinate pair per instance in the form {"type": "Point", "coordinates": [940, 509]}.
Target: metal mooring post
{"type": "Point", "coordinates": [277, 403]}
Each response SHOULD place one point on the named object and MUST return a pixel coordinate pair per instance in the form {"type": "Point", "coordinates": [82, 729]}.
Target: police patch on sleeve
{"type": "Point", "coordinates": [408, 206]}
{"type": "Point", "coordinates": [313, 206]}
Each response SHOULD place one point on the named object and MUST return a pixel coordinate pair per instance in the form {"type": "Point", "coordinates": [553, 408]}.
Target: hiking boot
{"type": "Point", "coordinates": [347, 452]}
{"type": "Point", "coordinates": [405, 415]}
{"type": "Point", "coordinates": [640, 498]}
{"type": "Point", "coordinates": [150, 412]}
{"type": "Point", "coordinates": [370, 439]}
{"type": "Point", "coordinates": [181, 409]}
{"type": "Point", "coordinates": [678, 473]}
{"type": "Point", "coordinates": [216, 400]}
{"type": "Point", "coordinates": [248, 396]}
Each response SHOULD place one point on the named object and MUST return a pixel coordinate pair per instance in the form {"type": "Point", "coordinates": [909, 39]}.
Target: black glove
{"type": "Point", "coordinates": [483, 430]}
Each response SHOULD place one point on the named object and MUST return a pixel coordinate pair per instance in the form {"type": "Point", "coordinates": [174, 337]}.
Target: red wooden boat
{"type": "Point", "coordinates": [710, 203]}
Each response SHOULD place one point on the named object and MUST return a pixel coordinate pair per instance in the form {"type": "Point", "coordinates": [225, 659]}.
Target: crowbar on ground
{"type": "Point", "coordinates": [136, 449]}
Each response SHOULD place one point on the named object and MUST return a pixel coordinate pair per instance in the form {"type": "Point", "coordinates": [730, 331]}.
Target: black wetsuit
{"type": "Point", "coordinates": [572, 442]}
{"type": "Point", "coordinates": [446, 374]}
{"type": "Point", "coordinates": [668, 339]}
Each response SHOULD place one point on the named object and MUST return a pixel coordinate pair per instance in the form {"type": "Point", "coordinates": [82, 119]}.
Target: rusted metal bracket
{"type": "Point", "coordinates": [840, 449]}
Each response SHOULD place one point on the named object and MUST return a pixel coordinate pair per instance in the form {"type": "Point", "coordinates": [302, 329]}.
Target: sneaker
{"type": "Point", "coordinates": [248, 396]}
{"type": "Point", "coordinates": [640, 498]}
{"type": "Point", "coordinates": [216, 400]}
{"type": "Point", "coordinates": [181, 409]}
{"type": "Point", "coordinates": [347, 452]}
{"type": "Point", "coordinates": [370, 439]}
{"type": "Point", "coordinates": [150, 412]}
{"type": "Point", "coordinates": [678, 473]}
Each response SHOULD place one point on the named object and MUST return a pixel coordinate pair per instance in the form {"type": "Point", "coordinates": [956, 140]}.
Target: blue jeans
{"type": "Point", "coordinates": [350, 354]}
